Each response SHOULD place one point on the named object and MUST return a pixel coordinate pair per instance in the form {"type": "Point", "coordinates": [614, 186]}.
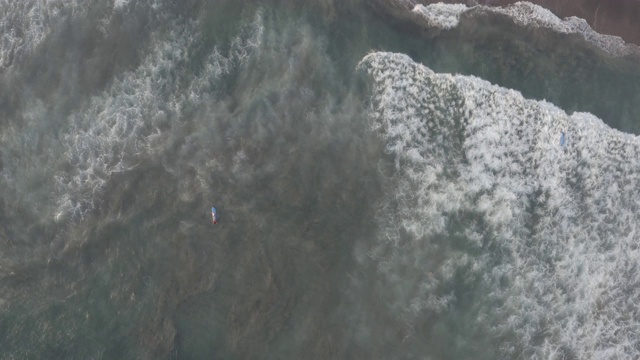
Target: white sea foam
{"type": "Point", "coordinates": [525, 14]}
{"type": "Point", "coordinates": [550, 232]}
{"type": "Point", "coordinates": [440, 15]}
{"type": "Point", "coordinates": [219, 64]}
{"type": "Point", "coordinates": [119, 4]}
{"type": "Point", "coordinates": [132, 119]}
{"type": "Point", "coordinates": [25, 23]}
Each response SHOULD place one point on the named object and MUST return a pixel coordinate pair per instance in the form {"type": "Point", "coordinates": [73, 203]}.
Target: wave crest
{"type": "Point", "coordinates": [539, 238]}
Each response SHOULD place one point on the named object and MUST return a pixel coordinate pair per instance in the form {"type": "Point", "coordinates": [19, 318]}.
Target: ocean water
{"type": "Point", "coordinates": [387, 190]}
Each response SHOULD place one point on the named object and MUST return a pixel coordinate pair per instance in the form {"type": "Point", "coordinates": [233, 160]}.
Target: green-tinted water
{"type": "Point", "coordinates": [124, 125]}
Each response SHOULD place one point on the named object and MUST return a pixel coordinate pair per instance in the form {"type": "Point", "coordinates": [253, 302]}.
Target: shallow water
{"type": "Point", "coordinates": [389, 213]}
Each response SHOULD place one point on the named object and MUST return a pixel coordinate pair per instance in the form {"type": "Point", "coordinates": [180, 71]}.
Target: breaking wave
{"type": "Point", "coordinates": [527, 15]}
{"type": "Point", "coordinates": [492, 218]}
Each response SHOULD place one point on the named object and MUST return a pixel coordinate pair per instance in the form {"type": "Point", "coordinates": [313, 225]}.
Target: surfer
{"type": "Point", "coordinates": [214, 215]}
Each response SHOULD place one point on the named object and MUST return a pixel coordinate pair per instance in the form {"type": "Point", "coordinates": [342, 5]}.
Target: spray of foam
{"type": "Point", "coordinates": [543, 236]}
{"type": "Point", "coordinates": [525, 14]}
{"type": "Point", "coordinates": [132, 119]}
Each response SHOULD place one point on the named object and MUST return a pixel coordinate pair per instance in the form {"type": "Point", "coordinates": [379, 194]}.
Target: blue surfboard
{"type": "Point", "coordinates": [214, 215]}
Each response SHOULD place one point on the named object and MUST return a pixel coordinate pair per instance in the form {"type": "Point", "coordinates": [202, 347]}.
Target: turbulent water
{"type": "Point", "coordinates": [389, 186]}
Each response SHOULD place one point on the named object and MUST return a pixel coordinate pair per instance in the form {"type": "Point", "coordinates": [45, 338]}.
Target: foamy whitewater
{"type": "Point", "coordinates": [547, 232]}
{"type": "Point", "coordinates": [526, 15]}
{"type": "Point", "coordinates": [25, 23]}
{"type": "Point", "coordinates": [131, 119]}
{"type": "Point", "coordinates": [383, 192]}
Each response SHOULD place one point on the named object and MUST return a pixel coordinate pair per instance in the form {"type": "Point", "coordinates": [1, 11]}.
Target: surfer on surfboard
{"type": "Point", "coordinates": [214, 215]}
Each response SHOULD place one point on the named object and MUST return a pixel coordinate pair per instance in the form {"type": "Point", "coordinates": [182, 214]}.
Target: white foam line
{"type": "Point", "coordinates": [551, 230]}
{"type": "Point", "coordinates": [525, 14]}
